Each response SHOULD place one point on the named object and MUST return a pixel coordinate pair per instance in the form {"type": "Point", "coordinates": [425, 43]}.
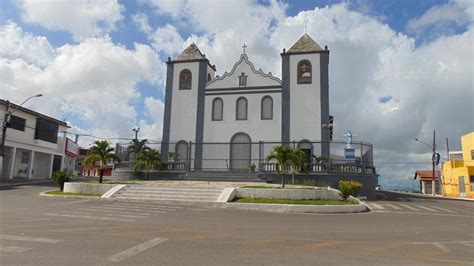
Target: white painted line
{"type": "Point", "coordinates": [393, 206]}
{"type": "Point", "coordinates": [409, 207]}
{"type": "Point", "coordinates": [466, 243]}
{"type": "Point", "coordinates": [89, 217]}
{"type": "Point", "coordinates": [112, 191]}
{"type": "Point", "coordinates": [402, 199]}
{"type": "Point", "coordinates": [126, 209]}
{"type": "Point", "coordinates": [377, 206]}
{"type": "Point", "coordinates": [136, 249]}
{"type": "Point", "coordinates": [30, 239]}
{"type": "Point", "coordinates": [13, 249]}
{"type": "Point", "coordinates": [443, 209]}
{"type": "Point", "coordinates": [427, 213]}
{"type": "Point", "coordinates": [112, 211]}
{"type": "Point", "coordinates": [426, 208]}
{"type": "Point", "coordinates": [108, 214]}
{"type": "Point", "coordinates": [441, 246]}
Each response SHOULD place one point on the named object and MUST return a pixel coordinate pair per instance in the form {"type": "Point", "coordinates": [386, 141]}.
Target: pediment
{"type": "Point", "coordinates": [245, 68]}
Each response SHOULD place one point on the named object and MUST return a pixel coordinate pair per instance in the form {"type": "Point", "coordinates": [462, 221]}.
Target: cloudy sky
{"type": "Point", "coordinates": [398, 69]}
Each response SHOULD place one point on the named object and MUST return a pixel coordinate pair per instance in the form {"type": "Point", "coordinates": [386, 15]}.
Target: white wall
{"type": "Point", "coordinates": [184, 105]}
{"type": "Point", "coordinates": [231, 80]}
{"type": "Point", "coordinates": [305, 105]}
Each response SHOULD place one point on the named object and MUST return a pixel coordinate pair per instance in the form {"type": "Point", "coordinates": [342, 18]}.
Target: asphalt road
{"type": "Point", "coordinates": [401, 230]}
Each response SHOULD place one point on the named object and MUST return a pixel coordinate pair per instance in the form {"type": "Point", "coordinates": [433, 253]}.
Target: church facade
{"type": "Point", "coordinates": [246, 106]}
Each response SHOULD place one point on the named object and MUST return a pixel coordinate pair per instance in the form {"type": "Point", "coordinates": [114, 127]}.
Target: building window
{"type": "Point", "coordinates": [304, 72]}
{"type": "Point", "coordinates": [17, 123]}
{"type": "Point", "coordinates": [472, 154]}
{"type": "Point", "coordinates": [185, 78]}
{"type": "Point", "coordinates": [217, 109]}
{"type": "Point", "coordinates": [241, 113]}
{"type": "Point", "coordinates": [242, 80]}
{"type": "Point", "coordinates": [46, 130]}
{"type": "Point", "coordinates": [267, 108]}
{"type": "Point", "coordinates": [471, 181]}
{"type": "Point", "coordinates": [25, 157]}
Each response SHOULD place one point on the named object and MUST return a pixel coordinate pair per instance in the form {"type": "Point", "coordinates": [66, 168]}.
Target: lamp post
{"type": "Point", "coordinates": [433, 160]}
{"type": "Point", "coordinates": [5, 125]}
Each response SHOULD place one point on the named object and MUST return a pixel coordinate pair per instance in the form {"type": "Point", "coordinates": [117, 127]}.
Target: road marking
{"type": "Point", "coordinates": [377, 206]}
{"type": "Point", "coordinates": [13, 249]}
{"type": "Point", "coordinates": [136, 249]}
{"type": "Point", "coordinates": [109, 214]}
{"type": "Point", "coordinates": [402, 199]}
{"type": "Point", "coordinates": [30, 239]}
{"type": "Point", "coordinates": [443, 209]}
{"type": "Point", "coordinates": [127, 209]}
{"type": "Point", "coordinates": [112, 211]}
{"type": "Point", "coordinates": [425, 213]}
{"type": "Point", "coordinates": [465, 243]}
{"type": "Point", "coordinates": [409, 207]}
{"type": "Point", "coordinates": [426, 208]}
{"type": "Point", "coordinates": [441, 246]}
{"type": "Point", "coordinates": [89, 217]}
{"type": "Point", "coordinates": [393, 206]}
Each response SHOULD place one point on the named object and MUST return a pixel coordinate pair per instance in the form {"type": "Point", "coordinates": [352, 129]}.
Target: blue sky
{"type": "Point", "coordinates": [101, 65]}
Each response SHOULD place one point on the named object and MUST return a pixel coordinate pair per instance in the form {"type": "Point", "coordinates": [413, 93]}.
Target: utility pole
{"type": "Point", "coordinates": [433, 164]}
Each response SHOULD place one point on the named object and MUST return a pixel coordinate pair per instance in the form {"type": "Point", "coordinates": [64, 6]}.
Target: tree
{"type": "Point", "coordinates": [137, 146]}
{"type": "Point", "coordinates": [298, 160]}
{"type": "Point", "coordinates": [282, 155]}
{"type": "Point", "coordinates": [148, 159]}
{"type": "Point", "coordinates": [101, 152]}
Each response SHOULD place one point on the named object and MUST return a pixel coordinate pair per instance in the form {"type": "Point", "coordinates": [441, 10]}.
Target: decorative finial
{"type": "Point", "coordinates": [284, 50]}
{"type": "Point", "coordinates": [244, 46]}
{"type": "Point", "coordinates": [169, 59]}
{"type": "Point", "coordinates": [325, 47]}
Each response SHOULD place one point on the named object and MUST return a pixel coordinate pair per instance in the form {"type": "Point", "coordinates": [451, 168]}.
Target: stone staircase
{"type": "Point", "coordinates": [168, 194]}
{"type": "Point", "coordinates": [221, 176]}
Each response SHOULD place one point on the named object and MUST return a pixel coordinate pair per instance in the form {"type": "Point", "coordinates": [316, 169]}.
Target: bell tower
{"type": "Point", "coordinates": [305, 94]}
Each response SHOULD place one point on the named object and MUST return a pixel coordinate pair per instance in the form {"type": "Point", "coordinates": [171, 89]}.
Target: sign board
{"type": "Point", "coordinates": [72, 149]}
{"type": "Point", "coordinates": [349, 154]}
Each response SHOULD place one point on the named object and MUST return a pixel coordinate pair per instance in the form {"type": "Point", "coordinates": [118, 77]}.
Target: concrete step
{"type": "Point", "coordinates": [168, 194]}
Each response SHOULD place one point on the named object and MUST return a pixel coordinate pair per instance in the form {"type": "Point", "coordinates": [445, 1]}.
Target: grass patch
{"type": "Point", "coordinates": [61, 193]}
{"type": "Point", "coordinates": [294, 201]}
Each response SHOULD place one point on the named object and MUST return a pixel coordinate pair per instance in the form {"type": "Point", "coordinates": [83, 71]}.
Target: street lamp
{"type": "Point", "coordinates": [5, 123]}
{"type": "Point", "coordinates": [433, 160]}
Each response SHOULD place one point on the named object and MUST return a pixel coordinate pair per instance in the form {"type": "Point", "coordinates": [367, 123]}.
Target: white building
{"type": "Point", "coordinates": [246, 106]}
{"type": "Point", "coordinates": [35, 144]}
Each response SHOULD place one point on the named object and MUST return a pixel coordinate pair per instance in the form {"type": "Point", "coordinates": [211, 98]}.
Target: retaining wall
{"type": "Point", "coordinates": [87, 188]}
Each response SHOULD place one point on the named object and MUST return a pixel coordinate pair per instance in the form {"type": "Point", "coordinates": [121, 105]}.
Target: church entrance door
{"type": "Point", "coordinates": [240, 151]}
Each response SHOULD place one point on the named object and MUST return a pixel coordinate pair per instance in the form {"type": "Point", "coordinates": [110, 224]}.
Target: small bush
{"type": "Point", "coordinates": [60, 177]}
{"type": "Point", "coordinates": [345, 189]}
{"type": "Point", "coordinates": [349, 188]}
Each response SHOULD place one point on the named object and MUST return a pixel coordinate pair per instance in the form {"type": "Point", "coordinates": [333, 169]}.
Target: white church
{"type": "Point", "coordinates": [220, 122]}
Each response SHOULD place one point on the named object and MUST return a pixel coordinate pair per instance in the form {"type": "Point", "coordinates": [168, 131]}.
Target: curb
{"type": "Point", "coordinates": [43, 194]}
{"type": "Point", "coordinates": [293, 208]}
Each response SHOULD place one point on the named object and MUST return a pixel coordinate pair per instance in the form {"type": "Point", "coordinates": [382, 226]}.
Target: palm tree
{"type": "Point", "coordinates": [101, 152]}
{"type": "Point", "coordinates": [298, 160]}
{"type": "Point", "coordinates": [148, 159]}
{"type": "Point", "coordinates": [282, 155]}
{"type": "Point", "coordinates": [137, 146]}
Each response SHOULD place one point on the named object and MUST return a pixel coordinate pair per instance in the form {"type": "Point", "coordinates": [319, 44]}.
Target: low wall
{"type": "Point", "coordinates": [298, 194]}
{"type": "Point", "coordinates": [87, 188]}
{"type": "Point", "coordinates": [125, 174]}
{"type": "Point", "coordinates": [328, 180]}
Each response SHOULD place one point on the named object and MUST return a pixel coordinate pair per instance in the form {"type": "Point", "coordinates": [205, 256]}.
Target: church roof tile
{"type": "Point", "coordinates": [305, 44]}
{"type": "Point", "coordinates": [190, 53]}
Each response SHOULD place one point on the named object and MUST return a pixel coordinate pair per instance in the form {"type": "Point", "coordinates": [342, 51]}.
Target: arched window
{"type": "Point", "coordinates": [217, 109]}
{"type": "Point", "coordinates": [181, 149]}
{"type": "Point", "coordinates": [209, 76]}
{"type": "Point", "coordinates": [304, 72]}
{"type": "Point", "coordinates": [267, 108]}
{"type": "Point", "coordinates": [185, 78]}
{"type": "Point", "coordinates": [241, 113]}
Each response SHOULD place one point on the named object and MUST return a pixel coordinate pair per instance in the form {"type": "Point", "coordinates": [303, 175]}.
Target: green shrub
{"type": "Point", "coordinates": [60, 177]}
{"type": "Point", "coordinates": [345, 189]}
{"type": "Point", "coordinates": [349, 188]}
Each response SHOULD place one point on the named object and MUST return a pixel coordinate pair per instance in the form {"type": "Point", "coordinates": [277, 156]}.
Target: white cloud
{"type": "Point", "coordinates": [167, 39]}
{"type": "Point", "coordinates": [154, 109]}
{"type": "Point", "coordinates": [440, 20]}
{"type": "Point", "coordinates": [82, 18]}
{"type": "Point", "coordinates": [14, 43]}
{"type": "Point", "coordinates": [141, 20]}
{"type": "Point", "coordinates": [95, 81]}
